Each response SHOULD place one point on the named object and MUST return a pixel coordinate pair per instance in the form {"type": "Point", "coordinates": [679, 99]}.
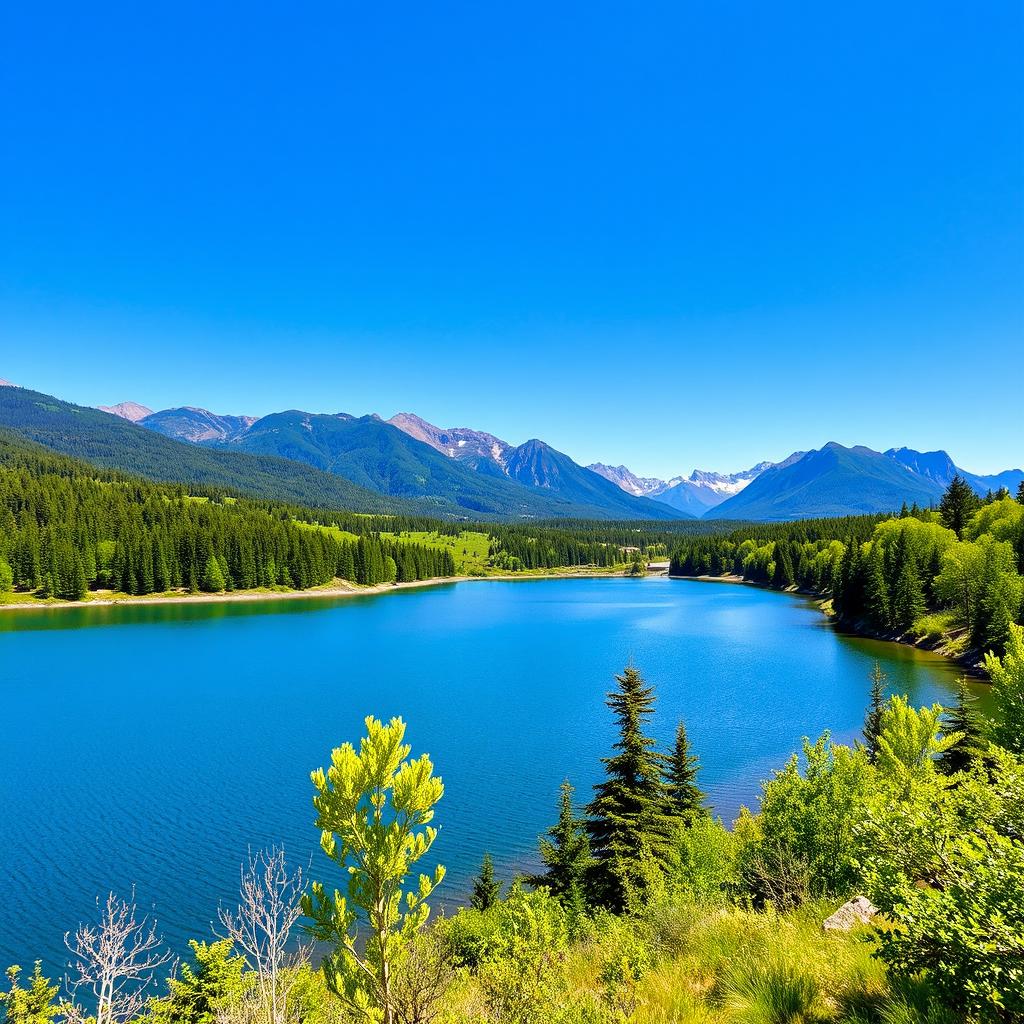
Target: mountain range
{"type": "Point", "coordinates": [407, 464]}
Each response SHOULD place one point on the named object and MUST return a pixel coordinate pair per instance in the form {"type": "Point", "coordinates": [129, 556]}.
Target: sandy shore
{"type": "Point", "coordinates": [330, 590]}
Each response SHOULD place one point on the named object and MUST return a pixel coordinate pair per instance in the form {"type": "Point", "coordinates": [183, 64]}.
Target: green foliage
{"type": "Point", "coordinates": [801, 843]}
{"type": "Point", "coordinates": [909, 741]}
{"type": "Point", "coordinates": [1008, 690]}
{"type": "Point", "coordinates": [958, 504]}
{"type": "Point", "coordinates": [213, 576]}
{"type": "Point", "coordinates": [627, 826]}
{"type": "Point", "coordinates": [946, 865]}
{"type": "Point", "coordinates": [704, 867]}
{"type": "Point", "coordinates": [963, 720]}
{"type": "Point", "coordinates": [374, 810]}
{"type": "Point", "coordinates": [204, 991]}
{"type": "Point", "coordinates": [873, 718]}
{"type": "Point", "coordinates": [33, 1004]}
{"type": "Point", "coordinates": [486, 888]}
{"type": "Point", "coordinates": [565, 851]}
{"type": "Point", "coordinates": [685, 798]}
{"type": "Point", "coordinates": [67, 528]}
{"type": "Point", "coordinates": [519, 973]}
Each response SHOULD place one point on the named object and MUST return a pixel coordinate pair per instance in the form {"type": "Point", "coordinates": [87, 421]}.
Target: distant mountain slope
{"type": "Point", "coordinates": [384, 458]}
{"type": "Point", "coordinates": [110, 441]}
{"type": "Point", "coordinates": [833, 481]}
{"type": "Point", "coordinates": [459, 443]}
{"type": "Point", "coordinates": [537, 464]}
{"type": "Point", "coordinates": [130, 411]}
{"type": "Point", "coordinates": [696, 494]}
{"type": "Point", "coordinates": [938, 466]}
{"type": "Point", "coordinates": [6, 384]}
{"type": "Point", "coordinates": [197, 426]}
{"type": "Point", "coordinates": [630, 482]}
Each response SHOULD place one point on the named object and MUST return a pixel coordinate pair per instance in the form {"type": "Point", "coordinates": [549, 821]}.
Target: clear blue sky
{"type": "Point", "coordinates": [662, 234]}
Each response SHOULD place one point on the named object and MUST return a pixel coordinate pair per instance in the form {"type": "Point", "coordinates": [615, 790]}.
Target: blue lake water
{"type": "Point", "coordinates": [154, 745]}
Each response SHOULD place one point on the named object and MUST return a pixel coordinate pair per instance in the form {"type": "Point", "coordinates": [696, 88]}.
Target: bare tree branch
{"type": "Point", "coordinates": [114, 961]}
{"type": "Point", "coordinates": [262, 924]}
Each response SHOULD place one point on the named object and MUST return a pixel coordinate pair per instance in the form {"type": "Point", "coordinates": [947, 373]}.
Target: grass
{"type": "Point", "coordinates": [723, 965]}
{"type": "Point", "coordinates": [469, 549]}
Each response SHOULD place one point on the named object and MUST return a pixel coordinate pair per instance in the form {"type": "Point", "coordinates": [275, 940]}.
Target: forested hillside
{"type": "Point", "coordinates": [114, 443]}
{"type": "Point", "coordinates": [67, 528]}
{"type": "Point", "coordinates": [954, 575]}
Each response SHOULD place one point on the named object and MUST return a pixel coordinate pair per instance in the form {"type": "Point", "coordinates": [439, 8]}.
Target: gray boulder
{"type": "Point", "coordinates": [859, 910]}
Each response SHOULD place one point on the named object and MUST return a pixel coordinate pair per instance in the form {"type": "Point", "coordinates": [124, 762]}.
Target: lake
{"type": "Point", "coordinates": [153, 745]}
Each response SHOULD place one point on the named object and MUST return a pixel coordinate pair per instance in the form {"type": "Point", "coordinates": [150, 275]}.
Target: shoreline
{"type": "Point", "coordinates": [968, 661]}
{"type": "Point", "coordinates": [336, 590]}
{"type": "Point", "coordinates": [330, 590]}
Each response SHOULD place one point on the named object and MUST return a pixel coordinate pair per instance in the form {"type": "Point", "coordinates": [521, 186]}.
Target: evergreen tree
{"type": "Point", "coordinates": [685, 798]}
{"type": "Point", "coordinates": [486, 888]}
{"type": "Point", "coordinates": [784, 575]}
{"type": "Point", "coordinates": [627, 828]}
{"type": "Point", "coordinates": [958, 504]}
{"type": "Point", "coordinates": [876, 590]}
{"type": "Point", "coordinates": [907, 596]}
{"type": "Point", "coordinates": [213, 576]}
{"type": "Point", "coordinates": [873, 719]}
{"type": "Point", "coordinates": [565, 851]}
{"type": "Point", "coordinates": [963, 718]}
{"type": "Point", "coordinates": [1020, 492]}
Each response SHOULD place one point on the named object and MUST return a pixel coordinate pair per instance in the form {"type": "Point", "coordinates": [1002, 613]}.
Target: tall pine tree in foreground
{"type": "Point", "coordinates": [685, 798]}
{"type": "Point", "coordinates": [627, 826]}
{"type": "Point", "coordinates": [873, 719]}
{"type": "Point", "coordinates": [565, 851]}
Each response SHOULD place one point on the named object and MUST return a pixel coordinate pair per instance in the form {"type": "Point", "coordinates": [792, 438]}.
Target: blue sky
{"type": "Point", "coordinates": [661, 234]}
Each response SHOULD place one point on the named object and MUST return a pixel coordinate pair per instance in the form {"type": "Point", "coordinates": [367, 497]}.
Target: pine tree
{"type": "Point", "coordinates": [907, 596]}
{"type": "Point", "coordinates": [873, 719]}
{"type": "Point", "coordinates": [685, 798]}
{"type": "Point", "coordinates": [213, 577]}
{"type": "Point", "coordinates": [565, 851]}
{"type": "Point", "coordinates": [958, 504]}
{"type": "Point", "coordinates": [876, 590]}
{"type": "Point", "coordinates": [486, 888]}
{"type": "Point", "coordinates": [1020, 492]}
{"type": "Point", "coordinates": [963, 718]}
{"type": "Point", "coordinates": [627, 828]}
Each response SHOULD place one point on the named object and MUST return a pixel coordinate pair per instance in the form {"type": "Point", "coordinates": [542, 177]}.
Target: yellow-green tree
{"type": "Point", "coordinates": [374, 810]}
{"type": "Point", "coordinates": [1008, 689]}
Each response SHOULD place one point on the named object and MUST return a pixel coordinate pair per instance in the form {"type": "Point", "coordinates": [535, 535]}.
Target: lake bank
{"type": "Point", "coordinates": [108, 599]}
{"type": "Point", "coordinates": [970, 661]}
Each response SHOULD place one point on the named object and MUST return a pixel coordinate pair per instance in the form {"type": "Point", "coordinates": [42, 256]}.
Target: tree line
{"type": "Point", "coordinates": [67, 528]}
{"type": "Point", "coordinates": [963, 561]}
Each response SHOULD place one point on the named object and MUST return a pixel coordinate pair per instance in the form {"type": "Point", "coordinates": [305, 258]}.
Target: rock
{"type": "Point", "coordinates": [859, 910]}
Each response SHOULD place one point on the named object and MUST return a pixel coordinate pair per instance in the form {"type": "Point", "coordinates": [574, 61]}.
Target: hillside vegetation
{"type": "Point", "coordinates": [114, 443]}
{"type": "Point", "coordinates": [70, 531]}
{"type": "Point", "coordinates": [953, 576]}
